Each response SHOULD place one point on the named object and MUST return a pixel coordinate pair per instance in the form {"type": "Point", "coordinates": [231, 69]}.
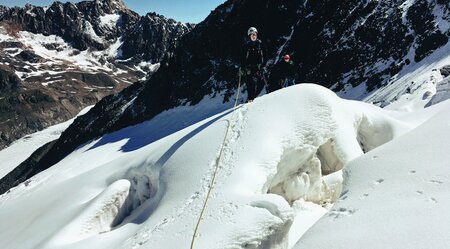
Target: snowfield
{"type": "Point", "coordinates": [395, 196]}
{"type": "Point", "coordinates": [380, 178]}
{"type": "Point", "coordinates": [65, 57]}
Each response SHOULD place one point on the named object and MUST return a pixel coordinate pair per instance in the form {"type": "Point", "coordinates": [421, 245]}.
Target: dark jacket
{"type": "Point", "coordinates": [285, 69]}
{"type": "Point", "coordinates": [252, 54]}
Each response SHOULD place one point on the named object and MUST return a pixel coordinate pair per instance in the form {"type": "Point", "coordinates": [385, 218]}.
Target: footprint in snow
{"type": "Point", "coordinates": [436, 181]}
{"type": "Point", "coordinates": [341, 212]}
{"type": "Point", "coordinates": [379, 181]}
{"type": "Point", "coordinates": [364, 196]}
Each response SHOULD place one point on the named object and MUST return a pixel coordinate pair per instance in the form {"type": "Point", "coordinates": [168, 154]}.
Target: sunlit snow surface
{"type": "Point", "coordinates": [396, 196]}
{"type": "Point", "coordinates": [280, 171]}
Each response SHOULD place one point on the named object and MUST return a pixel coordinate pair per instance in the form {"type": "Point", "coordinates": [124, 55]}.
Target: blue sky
{"type": "Point", "coordinates": [193, 11]}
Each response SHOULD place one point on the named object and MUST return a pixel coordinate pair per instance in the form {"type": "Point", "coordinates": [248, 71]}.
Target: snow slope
{"type": "Point", "coordinates": [395, 196]}
{"type": "Point", "coordinates": [281, 170]}
{"type": "Point", "coordinates": [442, 91]}
{"type": "Point", "coordinates": [412, 88]}
{"type": "Point", "coordinates": [21, 149]}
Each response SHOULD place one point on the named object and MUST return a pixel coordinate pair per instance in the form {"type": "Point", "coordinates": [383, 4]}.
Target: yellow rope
{"type": "Point", "coordinates": [217, 165]}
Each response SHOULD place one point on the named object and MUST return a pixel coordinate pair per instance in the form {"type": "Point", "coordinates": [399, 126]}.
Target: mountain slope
{"type": "Point", "coordinates": [21, 149]}
{"type": "Point", "coordinates": [336, 44]}
{"type": "Point", "coordinates": [70, 55]}
{"type": "Point", "coordinates": [128, 190]}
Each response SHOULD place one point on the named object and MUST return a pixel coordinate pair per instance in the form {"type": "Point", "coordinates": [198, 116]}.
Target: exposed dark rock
{"type": "Point", "coordinates": [429, 44]}
{"type": "Point", "coordinates": [8, 80]}
{"type": "Point", "coordinates": [428, 37]}
{"type": "Point", "coordinates": [152, 36]}
{"type": "Point", "coordinates": [97, 79]}
{"type": "Point", "coordinates": [30, 57]}
{"type": "Point", "coordinates": [3, 10]}
{"type": "Point", "coordinates": [445, 71]}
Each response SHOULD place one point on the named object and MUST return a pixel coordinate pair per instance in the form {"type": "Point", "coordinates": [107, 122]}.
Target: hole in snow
{"type": "Point", "coordinates": [144, 185]}
{"type": "Point", "coordinates": [105, 208]}
{"type": "Point", "coordinates": [115, 204]}
{"type": "Point", "coordinates": [98, 216]}
{"type": "Point", "coordinates": [126, 200]}
{"type": "Point", "coordinates": [312, 174]}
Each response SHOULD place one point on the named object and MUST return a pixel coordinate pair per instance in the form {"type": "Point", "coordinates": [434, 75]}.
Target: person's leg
{"type": "Point", "coordinates": [292, 81]}
{"type": "Point", "coordinates": [285, 83]}
{"type": "Point", "coordinates": [259, 85]}
{"type": "Point", "coordinates": [251, 87]}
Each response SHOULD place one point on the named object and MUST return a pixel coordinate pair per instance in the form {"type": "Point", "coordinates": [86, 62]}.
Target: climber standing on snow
{"type": "Point", "coordinates": [286, 70]}
{"type": "Point", "coordinates": [252, 64]}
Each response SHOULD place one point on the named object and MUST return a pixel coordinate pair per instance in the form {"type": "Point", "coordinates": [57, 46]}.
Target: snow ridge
{"type": "Point", "coordinates": [281, 170]}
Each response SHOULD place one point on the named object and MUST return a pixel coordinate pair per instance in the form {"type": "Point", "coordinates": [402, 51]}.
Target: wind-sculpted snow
{"type": "Point", "coordinates": [98, 216]}
{"type": "Point", "coordinates": [282, 161]}
{"type": "Point", "coordinates": [395, 196]}
{"type": "Point", "coordinates": [300, 174]}
{"type": "Point", "coordinates": [442, 91]}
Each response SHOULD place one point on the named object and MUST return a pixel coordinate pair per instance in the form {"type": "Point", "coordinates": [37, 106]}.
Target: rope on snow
{"type": "Point", "coordinates": [217, 165]}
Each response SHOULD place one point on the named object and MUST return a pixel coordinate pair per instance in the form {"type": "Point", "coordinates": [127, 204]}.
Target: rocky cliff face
{"type": "Point", "coordinates": [67, 56]}
{"type": "Point", "coordinates": [88, 24]}
{"type": "Point", "coordinates": [371, 42]}
{"type": "Point", "coordinates": [339, 44]}
{"type": "Point", "coordinates": [152, 36]}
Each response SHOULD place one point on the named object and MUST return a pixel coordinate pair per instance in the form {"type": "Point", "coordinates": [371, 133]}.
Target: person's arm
{"type": "Point", "coordinates": [297, 72]}
{"type": "Point", "coordinates": [262, 52]}
{"type": "Point", "coordinates": [292, 70]}
{"type": "Point", "coordinates": [244, 54]}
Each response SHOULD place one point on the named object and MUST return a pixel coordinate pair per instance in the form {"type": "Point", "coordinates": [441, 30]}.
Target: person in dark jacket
{"type": "Point", "coordinates": [283, 74]}
{"type": "Point", "coordinates": [286, 71]}
{"type": "Point", "coordinates": [252, 64]}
